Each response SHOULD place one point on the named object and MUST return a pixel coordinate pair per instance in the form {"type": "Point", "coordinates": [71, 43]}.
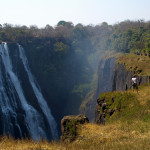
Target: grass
{"type": "Point", "coordinates": [8, 143]}
{"type": "Point", "coordinates": [137, 63]}
{"type": "Point", "coordinates": [128, 128]}
{"type": "Point", "coordinates": [91, 137]}
{"type": "Point", "coordinates": [114, 136]}
{"type": "Point", "coordinates": [144, 95]}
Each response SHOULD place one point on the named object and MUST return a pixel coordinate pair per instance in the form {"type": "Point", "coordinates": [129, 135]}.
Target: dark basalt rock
{"type": "Point", "coordinates": [105, 79]}
{"type": "Point", "coordinates": [111, 111]}
{"type": "Point", "coordinates": [69, 126]}
{"type": "Point", "coordinates": [122, 78]}
{"type": "Point", "coordinates": [100, 101]}
{"type": "Point", "coordinates": [100, 111]}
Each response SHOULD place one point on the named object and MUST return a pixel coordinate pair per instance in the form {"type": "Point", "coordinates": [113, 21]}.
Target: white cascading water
{"type": "Point", "coordinates": [11, 90]}
{"type": "Point", "coordinates": [39, 96]}
{"type": "Point", "coordinates": [6, 107]}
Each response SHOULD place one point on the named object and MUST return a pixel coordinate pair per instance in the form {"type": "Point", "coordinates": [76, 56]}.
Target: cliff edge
{"type": "Point", "coordinates": [126, 66]}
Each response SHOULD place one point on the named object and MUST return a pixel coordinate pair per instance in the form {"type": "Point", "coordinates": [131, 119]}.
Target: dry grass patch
{"type": "Point", "coordinates": [114, 136]}
{"type": "Point", "coordinates": [137, 63]}
{"type": "Point", "coordinates": [26, 144]}
{"type": "Point", "coordinates": [144, 94]}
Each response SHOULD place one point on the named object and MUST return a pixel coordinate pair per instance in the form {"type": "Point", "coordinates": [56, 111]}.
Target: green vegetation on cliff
{"type": "Point", "coordinates": [127, 128]}
{"type": "Point", "coordinates": [129, 106]}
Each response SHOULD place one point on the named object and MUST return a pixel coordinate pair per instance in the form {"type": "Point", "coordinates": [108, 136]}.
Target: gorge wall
{"type": "Point", "coordinates": [122, 78]}
{"type": "Point", "coordinates": [105, 74]}
{"type": "Point", "coordinates": [113, 77]}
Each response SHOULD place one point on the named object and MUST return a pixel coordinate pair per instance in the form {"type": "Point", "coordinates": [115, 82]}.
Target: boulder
{"type": "Point", "coordinates": [69, 126]}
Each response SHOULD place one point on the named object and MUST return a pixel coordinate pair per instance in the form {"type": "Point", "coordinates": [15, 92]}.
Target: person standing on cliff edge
{"type": "Point", "coordinates": [134, 83]}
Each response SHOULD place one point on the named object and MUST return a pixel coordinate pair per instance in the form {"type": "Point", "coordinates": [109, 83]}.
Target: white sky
{"type": "Point", "coordinates": [42, 12]}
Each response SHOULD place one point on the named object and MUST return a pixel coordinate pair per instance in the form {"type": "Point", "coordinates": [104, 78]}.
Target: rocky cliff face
{"type": "Point", "coordinates": [105, 79]}
{"type": "Point", "coordinates": [122, 78]}
{"type": "Point", "coordinates": [110, 79]}
{"type": "Point", "coordinates": [105, 75]}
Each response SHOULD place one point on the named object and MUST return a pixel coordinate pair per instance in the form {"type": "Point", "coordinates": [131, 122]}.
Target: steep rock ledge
{"type": "Point", "coordinates": [121, 81]}
{"type": "Point", "coordinates": [104, 84]}
{"type": "Point", "coordinates": [105, 75]}
{"type": "Point", "coordinates": [122, 78]}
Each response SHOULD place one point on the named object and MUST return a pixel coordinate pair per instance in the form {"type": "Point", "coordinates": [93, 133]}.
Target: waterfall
{"type": "Point", "coordinates": [39, 96]}
{"type": "Point", "coordinates": [18, 117]}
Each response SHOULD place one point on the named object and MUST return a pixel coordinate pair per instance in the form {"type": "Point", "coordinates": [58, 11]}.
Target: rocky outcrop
{"type": "Point", "coordinates": [69, 126]}
{"type": "Point", "coordinates": [101, 110]}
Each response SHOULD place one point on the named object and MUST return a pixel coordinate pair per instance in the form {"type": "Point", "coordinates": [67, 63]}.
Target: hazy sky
{"type": "Point", "coordinates": [42, 12]}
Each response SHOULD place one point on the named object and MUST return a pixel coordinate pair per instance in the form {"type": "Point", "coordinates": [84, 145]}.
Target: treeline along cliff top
{"type": "Point", "coordinates": [124, 36]}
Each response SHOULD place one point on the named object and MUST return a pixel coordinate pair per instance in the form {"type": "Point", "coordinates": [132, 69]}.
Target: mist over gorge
{"type": "Point", "coordinates": [64, 61]}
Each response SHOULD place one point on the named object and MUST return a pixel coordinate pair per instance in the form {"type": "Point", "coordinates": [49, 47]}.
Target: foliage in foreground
{"type": "Point", "coordinates": [119, 136]}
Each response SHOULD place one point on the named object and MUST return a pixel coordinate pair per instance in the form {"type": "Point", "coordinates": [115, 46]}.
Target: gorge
{"type": "Point", "coordinates": [54, 72]}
